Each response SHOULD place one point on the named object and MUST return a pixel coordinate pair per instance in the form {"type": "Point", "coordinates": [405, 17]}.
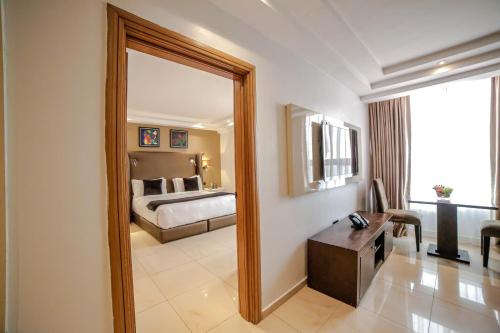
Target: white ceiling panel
{"type": "Point", "coordinates": [397, 30]}
{"type": "Point", "coordinates": [361, 42]}
{"type": "Point", "coordinates": [165, 90]}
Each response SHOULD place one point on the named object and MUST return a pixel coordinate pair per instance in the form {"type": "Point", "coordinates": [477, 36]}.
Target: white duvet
{"type": "Point", "coordinates": [181, 213]}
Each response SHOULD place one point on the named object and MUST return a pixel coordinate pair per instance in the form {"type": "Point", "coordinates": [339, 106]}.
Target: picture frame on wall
{"type": "Point", "coordinates": [149, 137]}
{"type": "Point", "coordinates": [178, 139]}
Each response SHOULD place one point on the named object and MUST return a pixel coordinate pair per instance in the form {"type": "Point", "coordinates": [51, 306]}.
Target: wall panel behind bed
{"type": "Point", "coordinates": [149, 165]}
{"type": "Point", "coordinates": [200, 140]}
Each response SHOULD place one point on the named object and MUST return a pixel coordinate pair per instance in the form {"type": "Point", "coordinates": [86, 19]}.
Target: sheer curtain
{"type": "Point", "coordinates": [451, 146]}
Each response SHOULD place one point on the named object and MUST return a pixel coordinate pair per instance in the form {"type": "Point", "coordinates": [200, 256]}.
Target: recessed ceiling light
{"type": "Point", "coordinates": [442, 62]}
{"type": "Point", "coordinates": [267, 3]}
{"type": "Point", "coordinates": [441, 70]}
{"type": "Point", "coordinates": [229, 124]}
{"type": "Point", "coordinates": [198, 126]}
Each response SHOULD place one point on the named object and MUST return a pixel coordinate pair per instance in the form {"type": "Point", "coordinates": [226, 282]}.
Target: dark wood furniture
{"type": "Point", "coordinates": [447, 235]}
{"type": "Point", "coordinates": [342, 261]}
{"type": "Point", "coordinates": [491, 228]}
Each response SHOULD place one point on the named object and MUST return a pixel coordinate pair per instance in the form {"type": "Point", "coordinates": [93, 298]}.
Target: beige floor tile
{"type": "Point", "coordinates": [466, 297]}
{"type": "Point", "coordinates": [160, 319]}
{"type": "Point", "coordinates": [178, 280]}
{"type": "Point", "coordinates": [137, 269]}
{"type": "Point", "coordinates": [164, 257]}
{"type": "Point", "coordinates": [223, 234]}
{"type": "Point", "coordinates": [232, 280]}
{"type": "Point", "coordinates": [236, 324]}
{"type": "Point", "coordinates": [146, 294]}
{"type": "Point", "coordinates": [207, 306]}
{"type": "Point", "coordinates": [448, 317]}
{"type": "Point", "coordinates": [398, 304]}
{"type": "Point", "coordinates": [230, 244]}
{"type": "Point", "coordinates": [222, 264]}
{"type": "Point", "coordinates": [143, 244]}
{"type": "Point", "coordinates": [134, 228]}
{"type": "Point", "coordinates": [476, 264]}
{"type": "Point", "coordinates": [347, 319]}
{"type": "Point", "coordinates": [307, 310]}
{"type": "Point", "coordinates": [201, 249]}
{"type": "Point", "coordinates": [409, 272]}
{"type": "Point", "coordinates": [273, 324]}
{"type": "Point", "coordinates": [406, 246]}
{"type": "Point", "coordinates": [474, 292]}
{"type": "Point", "coordinates": [193, 241]}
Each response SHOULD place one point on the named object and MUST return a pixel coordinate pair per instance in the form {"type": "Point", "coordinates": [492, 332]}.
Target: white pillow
{"type": "Point", "coordinates": [138, 187]}
{"type": "Point", "coordinates": [200, 183]}
{"type": "Point", "coordinates": [179, 184]}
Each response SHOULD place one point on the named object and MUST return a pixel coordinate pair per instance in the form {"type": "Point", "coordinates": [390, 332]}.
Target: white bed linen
{"type": "Point", "coordinates": [181, 213]}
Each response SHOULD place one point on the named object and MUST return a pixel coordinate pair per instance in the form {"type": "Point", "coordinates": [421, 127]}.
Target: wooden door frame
{"type": "Point", "coordinates": [3, 228]}
{"type": "Point", "coordinates": [126, 30]}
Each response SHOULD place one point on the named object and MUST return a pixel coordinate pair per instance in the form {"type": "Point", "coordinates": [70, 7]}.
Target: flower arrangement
{"type": "Point", "coordinates": [442, 191]}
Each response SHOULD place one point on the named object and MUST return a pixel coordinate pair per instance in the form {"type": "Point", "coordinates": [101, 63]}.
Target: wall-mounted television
{"type": "Point", "coordinates": [323, 152]}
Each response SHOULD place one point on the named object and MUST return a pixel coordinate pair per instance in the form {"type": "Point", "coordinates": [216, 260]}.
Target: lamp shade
{"type": "Point", "coordinates": [206, 163]}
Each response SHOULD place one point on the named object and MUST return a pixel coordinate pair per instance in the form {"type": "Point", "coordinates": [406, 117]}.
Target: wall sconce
{"type": "Point", "coordinates": [192, 160]}
{"type": "Point", "coordinates": [134, 162]}
{"type": "Point", "coordinates": [206, 163]}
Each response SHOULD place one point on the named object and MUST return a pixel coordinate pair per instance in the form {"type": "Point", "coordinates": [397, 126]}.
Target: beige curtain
{"type": "Point", "coordinates": [390, 150]}
{"type": "Point", "coordinates": [495, 142]}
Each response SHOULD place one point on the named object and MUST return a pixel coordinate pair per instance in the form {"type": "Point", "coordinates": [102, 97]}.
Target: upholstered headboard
{"type": "Point", "coordinates": [149, 165]}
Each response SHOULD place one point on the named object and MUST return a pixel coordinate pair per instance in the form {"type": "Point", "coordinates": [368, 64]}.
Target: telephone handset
{"type": "Point", "coordinates": [358, 221]}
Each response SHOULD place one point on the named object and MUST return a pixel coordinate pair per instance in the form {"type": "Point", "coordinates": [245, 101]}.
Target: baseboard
{"type": "Point", "coordinates": [283, 298]}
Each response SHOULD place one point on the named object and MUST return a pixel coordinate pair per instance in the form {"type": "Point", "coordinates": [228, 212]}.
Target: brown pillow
{"type": "Point", "coordinates": [191, 184]}
{"type": "Point", "coordinates": [152, 187]}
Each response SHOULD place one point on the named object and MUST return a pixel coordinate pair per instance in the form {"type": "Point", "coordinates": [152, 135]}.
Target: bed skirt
{"type": "Point", "coordinates": [183, 231]}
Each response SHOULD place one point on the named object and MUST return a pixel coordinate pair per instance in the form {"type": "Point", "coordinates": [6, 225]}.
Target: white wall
{"type": "Point", "coordinates": [59, 277]}
{"type": "Point", "coordinates": [227, 170]}
{"type": "Point", "coordinates": [58, 261]}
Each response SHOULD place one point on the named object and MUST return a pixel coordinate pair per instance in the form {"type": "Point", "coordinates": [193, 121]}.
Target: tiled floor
{"type": "Point", "coordinates": [190, 285]}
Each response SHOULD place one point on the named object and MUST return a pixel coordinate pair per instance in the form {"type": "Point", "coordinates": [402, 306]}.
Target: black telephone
{"type": "Point", "coordinates": [358, 221]}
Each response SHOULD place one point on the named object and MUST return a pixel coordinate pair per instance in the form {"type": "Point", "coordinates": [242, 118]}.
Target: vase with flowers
{"type": "Point", "coordinates": [443, 192]}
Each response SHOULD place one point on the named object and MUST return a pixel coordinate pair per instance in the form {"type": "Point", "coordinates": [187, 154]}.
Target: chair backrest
{"type": "Point", "coordinates": [382, 203]}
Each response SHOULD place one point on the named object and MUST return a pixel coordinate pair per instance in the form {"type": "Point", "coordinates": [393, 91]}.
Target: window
{"type": "Point", "coordinates": [337, 157]}
{"type": "Point", "coordinates": [450, 145]}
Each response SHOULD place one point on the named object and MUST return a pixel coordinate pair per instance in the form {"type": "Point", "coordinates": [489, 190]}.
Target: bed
{"type": "Point", "coordinates": [176, 215]}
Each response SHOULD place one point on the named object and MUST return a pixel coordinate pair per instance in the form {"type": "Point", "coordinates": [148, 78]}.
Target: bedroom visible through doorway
{"type": "Point", "coordinates": [128, 31]}
{"type": "Point", "coordinates": [180, 144]}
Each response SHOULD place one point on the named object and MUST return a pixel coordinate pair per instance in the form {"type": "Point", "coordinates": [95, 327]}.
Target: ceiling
{"type": "Point", "coordinates": [382, 47]}
{"type": "Point", "coordinates": [162, 92]}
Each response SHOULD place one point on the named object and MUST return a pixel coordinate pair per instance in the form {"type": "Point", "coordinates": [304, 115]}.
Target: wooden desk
{"type": "Point", "coordinates": [447, 235]}
{"type": "Point", "coordinates": [342, 261]}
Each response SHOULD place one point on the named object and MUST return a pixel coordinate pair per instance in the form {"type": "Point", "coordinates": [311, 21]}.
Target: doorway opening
{"type": "Point", "coordinates": [180, 143]}
{"type": "Point", "coordinates": [127, 31]}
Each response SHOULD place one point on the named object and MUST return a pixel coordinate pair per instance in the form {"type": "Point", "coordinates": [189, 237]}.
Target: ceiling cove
{"type": "Point", "coordinates": [381, 48]}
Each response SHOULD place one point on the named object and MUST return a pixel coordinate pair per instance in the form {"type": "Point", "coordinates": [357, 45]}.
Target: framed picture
{"type": "Point", "coordinates": [178, 138]}
{"type": "Point", "coordinates": [149, 137]}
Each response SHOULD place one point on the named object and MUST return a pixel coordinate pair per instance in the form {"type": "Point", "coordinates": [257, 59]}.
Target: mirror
{"type": "Point", "coordinates": [323, 152]}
